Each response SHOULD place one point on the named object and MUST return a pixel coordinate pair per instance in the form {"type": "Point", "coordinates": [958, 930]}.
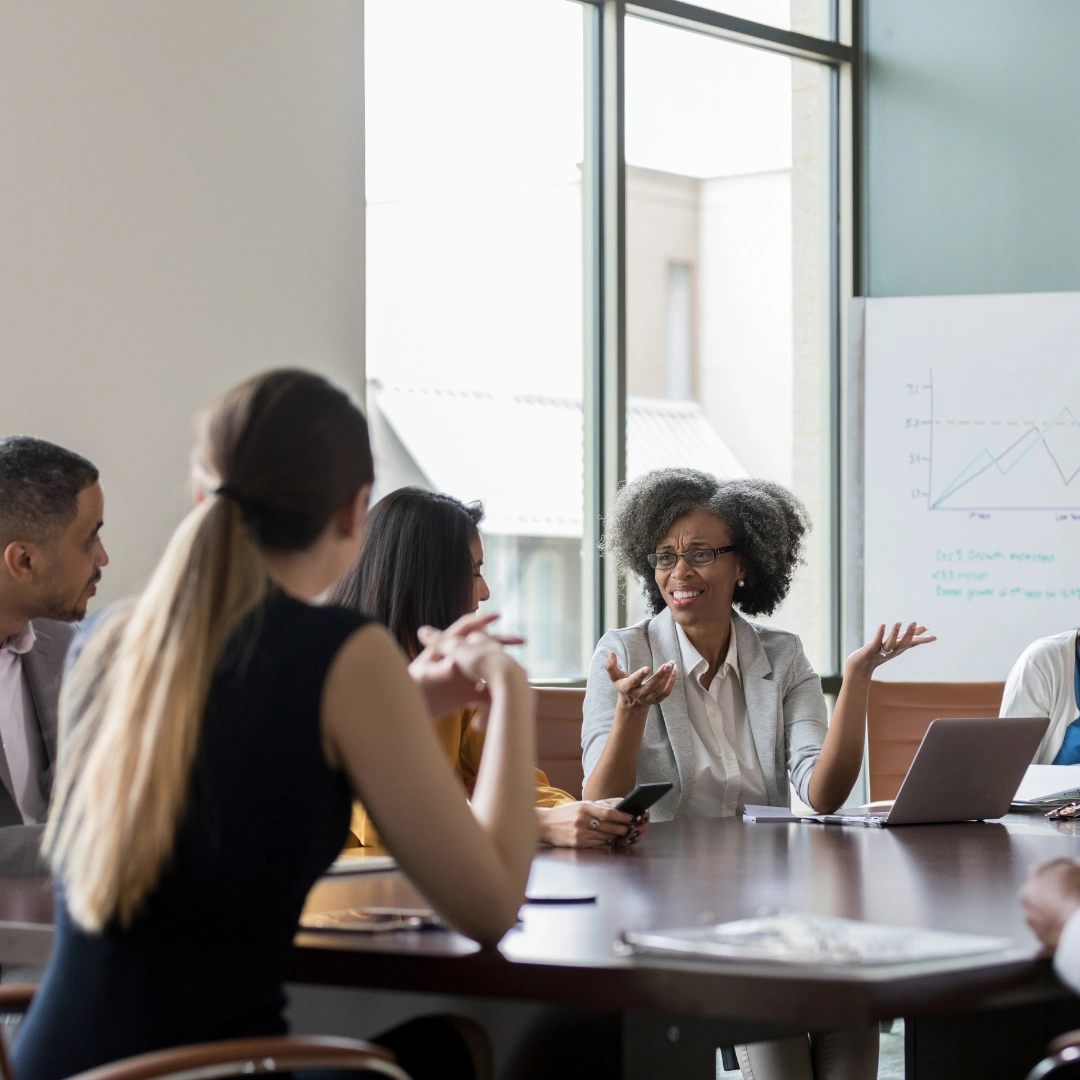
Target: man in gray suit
{"type": "Point", "coordinates": [51, 557]}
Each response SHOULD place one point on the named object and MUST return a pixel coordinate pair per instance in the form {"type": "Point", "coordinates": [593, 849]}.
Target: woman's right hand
{"type": "Point", "coordinates": [589, 825]}
{"type": "Point", "coordinates": [644, 688]}
{"type": "Point", "coordinates": [616, 771]}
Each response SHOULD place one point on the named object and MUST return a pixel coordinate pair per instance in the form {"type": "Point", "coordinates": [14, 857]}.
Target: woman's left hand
{"type": "Point", "coordinates": [886, 647]}
{"type": "Point", "coordinates": [436, 671]}
{"type": "Point", "coordinates": [572, 825]}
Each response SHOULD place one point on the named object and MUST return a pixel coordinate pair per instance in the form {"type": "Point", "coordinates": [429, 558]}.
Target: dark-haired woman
{"type": "Point", "coordinates": [726, 710]}
{"type": "Point", "coordinates": [422, 565]}
{"type": "Point", "coordinates": [214, 732]}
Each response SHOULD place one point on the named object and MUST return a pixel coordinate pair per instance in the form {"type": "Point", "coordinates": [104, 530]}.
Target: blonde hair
{"type": "Point", "coordinates": [288, 451]}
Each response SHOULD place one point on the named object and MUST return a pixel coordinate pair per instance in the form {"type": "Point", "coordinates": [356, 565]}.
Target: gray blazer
{"type": "Point", "coordinates": [44, 669]}
{"type": "Point", "coordinates": [784, 705]}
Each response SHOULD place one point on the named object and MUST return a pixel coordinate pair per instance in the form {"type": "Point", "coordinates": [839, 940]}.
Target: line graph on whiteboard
{"type": "Point", "coordinates": [985, 463]}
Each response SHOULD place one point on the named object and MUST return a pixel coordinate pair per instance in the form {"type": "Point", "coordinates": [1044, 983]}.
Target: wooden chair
{"type": "Point", "coordinates": [558, 736]}
{"type": "Point", "coordinates": [229, 1057]}
{"type": "Point", "coordinates": [898, 715]}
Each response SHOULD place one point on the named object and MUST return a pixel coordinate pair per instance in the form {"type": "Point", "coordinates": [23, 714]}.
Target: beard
{"type": "Point", "coordinates": [59, 604]}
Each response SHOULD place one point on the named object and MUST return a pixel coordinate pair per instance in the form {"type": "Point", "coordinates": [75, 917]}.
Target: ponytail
{"type": "Point", "coordinates": [124, 769]}
{"type": "Point", "coordinates": [132, 707]}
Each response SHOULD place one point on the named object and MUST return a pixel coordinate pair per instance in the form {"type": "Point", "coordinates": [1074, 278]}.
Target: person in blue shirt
{"type": "Point", "coordinates": [1045, 681]}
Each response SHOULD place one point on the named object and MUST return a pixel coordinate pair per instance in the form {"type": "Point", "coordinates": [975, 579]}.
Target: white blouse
{"type": "Point", "coordinates": [727, 773]}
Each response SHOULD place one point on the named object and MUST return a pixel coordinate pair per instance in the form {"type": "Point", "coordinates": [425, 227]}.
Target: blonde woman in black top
{"type": "Point", "coordinates": [215, 729]}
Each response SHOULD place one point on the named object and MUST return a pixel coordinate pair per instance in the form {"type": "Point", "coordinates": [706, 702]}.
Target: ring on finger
{"type": "Point", "coordinates": [886, 652]}
{"type": "Point", "coordinates": [595, 823]}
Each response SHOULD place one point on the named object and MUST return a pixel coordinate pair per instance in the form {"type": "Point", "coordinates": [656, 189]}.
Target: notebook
{"type": "Point", "coordinates": [814, 940]}
{"type": "Point", "coordinates": [1047, 784]}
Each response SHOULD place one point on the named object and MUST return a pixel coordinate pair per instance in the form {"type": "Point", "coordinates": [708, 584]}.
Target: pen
{"type": "Point", "coordinates": [844, 819]}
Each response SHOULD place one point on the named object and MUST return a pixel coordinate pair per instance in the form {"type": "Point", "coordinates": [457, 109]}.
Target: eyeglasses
{"type": "Point", "coordinates": [1065, 813]}
{"type": "Point", "coordinates": [666, 560]}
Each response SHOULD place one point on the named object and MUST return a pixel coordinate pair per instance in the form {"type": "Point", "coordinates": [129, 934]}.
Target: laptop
{"type": "Point", "coordinates": [965, 770]}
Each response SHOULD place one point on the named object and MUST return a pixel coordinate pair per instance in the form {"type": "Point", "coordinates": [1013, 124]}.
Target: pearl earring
{"type": "Point", "coordinates": [742, 582]}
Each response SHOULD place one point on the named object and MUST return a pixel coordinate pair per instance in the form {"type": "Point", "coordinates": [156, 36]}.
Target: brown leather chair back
{"type": "Point", "coordinates": [558, 736]}
{"type": "Point", "coordinates": [898, 715]}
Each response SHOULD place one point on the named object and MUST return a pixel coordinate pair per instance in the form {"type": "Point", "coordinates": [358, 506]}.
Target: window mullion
{"type": "Point", "coordinates": [613, 353]}
{"type": "Point", "coordinates": [605, 328]}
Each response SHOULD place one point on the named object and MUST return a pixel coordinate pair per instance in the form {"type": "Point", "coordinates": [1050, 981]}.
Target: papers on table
{"type": "Point", "coordinates": [783, 814]}
{"type": "Point", "coordinates": [371, 920]}
{"type": "Point", "coordinates": [1049, 784]}
{"type": "Point", "coordinates": [815, 940]}
{"type": "Point", "coordinates": [362, 864]}
{"type": "Point", "coordinates": [768, 813]}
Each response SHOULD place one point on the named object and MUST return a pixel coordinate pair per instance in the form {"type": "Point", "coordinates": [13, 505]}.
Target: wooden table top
{"type": "Point", "coordinates": [961, 877]}
{"type": "Point", "coordinates": [951, 877]}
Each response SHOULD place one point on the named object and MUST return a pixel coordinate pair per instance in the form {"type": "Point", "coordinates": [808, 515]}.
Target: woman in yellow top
{"type": "Point", "coordinates": [421, 565]}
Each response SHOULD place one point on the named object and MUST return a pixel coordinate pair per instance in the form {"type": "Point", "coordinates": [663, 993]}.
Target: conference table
{"type": "Point", "coordinates": [985, 1019]}
{"type": "Point", "coordinates": [988, 1017]}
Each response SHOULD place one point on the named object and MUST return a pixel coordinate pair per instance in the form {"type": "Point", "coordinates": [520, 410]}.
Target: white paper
{"type": "Point", "coordinates": [972, 452]}
{"type": "Point", "coordinates": [1047, 782]}
{"type": "Point", "coordinates": [815, 940]}
{"type": "Point", "coordinates": [362, 864]}
{"type": "Point", "coordinates": [782, 814]}
{"type": "Point", "coordinates": [768, 813]}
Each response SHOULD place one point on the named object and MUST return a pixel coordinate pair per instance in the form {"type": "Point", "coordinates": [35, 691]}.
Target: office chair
{"type": "Point", "coordinates": [1062, 1053]}
{"type": "Point", "coordinates": [558, 736]}
{"type": "Point", "coordinates": [898, 714]}
{"type": "Point", "coordinates": [230, 1057]}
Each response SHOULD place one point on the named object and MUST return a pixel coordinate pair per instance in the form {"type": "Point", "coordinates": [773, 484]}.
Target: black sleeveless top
{"type": "Point", "coordinates": [207, 956]}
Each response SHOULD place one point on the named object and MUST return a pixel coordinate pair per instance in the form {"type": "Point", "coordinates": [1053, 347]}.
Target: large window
{"type": "Point", "coordinates": [603, 238]}
{"type": "Point", "coordinates": [475, 129]}
{"type": "Point", "coordinates": [729, 278]}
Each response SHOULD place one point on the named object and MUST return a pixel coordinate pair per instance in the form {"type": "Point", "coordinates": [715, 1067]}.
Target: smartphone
{"type": "Point", "coordinates": [642, 797]}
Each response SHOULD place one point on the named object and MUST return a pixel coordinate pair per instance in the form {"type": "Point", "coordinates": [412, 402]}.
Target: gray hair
{"type": "Point", "coordinates": [767, 524]}
{"type": "Point", "coordinates": [39, 488]}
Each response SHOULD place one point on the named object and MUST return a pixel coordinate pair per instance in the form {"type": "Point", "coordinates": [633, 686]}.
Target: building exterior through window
{"type": "Point", "coordinates": [476, 288]}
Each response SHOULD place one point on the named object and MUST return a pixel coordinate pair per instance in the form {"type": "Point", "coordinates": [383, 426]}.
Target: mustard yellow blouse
{"type": "Point", "coordinates": [463, 745]}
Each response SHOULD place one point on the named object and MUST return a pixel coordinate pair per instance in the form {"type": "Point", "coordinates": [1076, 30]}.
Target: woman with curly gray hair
{"type": "Point", "coordinates": [696, 694]}
{"type": "Point", "coordinates": [722, 708]}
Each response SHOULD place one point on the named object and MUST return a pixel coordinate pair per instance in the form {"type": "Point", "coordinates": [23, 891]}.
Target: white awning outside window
{"type": "Point", "coordinates": [522, 456]}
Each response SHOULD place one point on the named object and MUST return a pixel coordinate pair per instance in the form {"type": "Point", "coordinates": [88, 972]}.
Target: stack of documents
{"type": "Point", "coordinates": [782, 813]}
{"type": "Point", "coordinates": [816, 940]}
{"type": "Point", "coordinates": [1045, 785]}
{"type": "Point", "coordinates": [361, 863]}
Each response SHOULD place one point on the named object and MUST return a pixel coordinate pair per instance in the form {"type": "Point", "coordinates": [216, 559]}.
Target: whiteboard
{"type": "Point", "coordinates": [972, 476]}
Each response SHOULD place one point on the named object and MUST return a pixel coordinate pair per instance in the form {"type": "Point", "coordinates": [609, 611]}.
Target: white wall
{"type": "Point", "coordinates": [181, 205]}
{"type": "Point", "coordinates": [973, 154]}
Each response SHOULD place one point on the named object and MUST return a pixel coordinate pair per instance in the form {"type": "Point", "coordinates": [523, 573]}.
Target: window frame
{"type": "Point", "coordinates": [604, 217]}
